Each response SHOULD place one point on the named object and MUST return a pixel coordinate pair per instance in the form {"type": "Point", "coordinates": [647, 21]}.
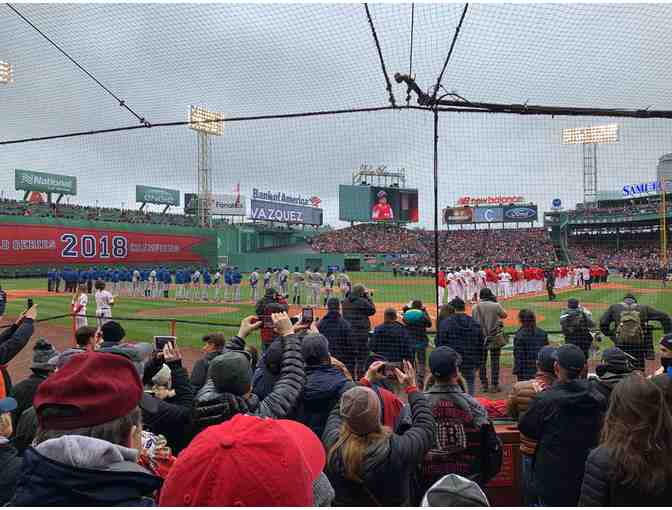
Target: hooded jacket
{"type": "Point", "coordinates": [388, 463]}
{"type": "Point", "coordinates": [605, 384]}
{"type": "Point", "coordinates": [565, 422]}
{"type": "Point", "coordinates": [83, 471]}
{"type": "Point", "coordinates": [323, 389]}
{"type": "Point", "coordinates": [465, 335]}
{"type": "Point", "coordinates": [213, 407]}
{"type": "Point", "coordinates": [339, 334]}
{"type": "Point", "coordinates": [11, 464]}
{"type": "Point", "coordinates": [199, 372]}
{"type": "Point", "coordinates": [357, 308]}
{"type": "Point", "coordinates": [12, 341]}
{"type": "Point", "coordinates": [391, 341]}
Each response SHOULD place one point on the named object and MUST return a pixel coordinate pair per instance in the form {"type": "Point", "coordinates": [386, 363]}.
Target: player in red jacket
{"type": "Point", "coordinates": [442, 286]}
{"type": "Point", "coordinates": [382, 210]}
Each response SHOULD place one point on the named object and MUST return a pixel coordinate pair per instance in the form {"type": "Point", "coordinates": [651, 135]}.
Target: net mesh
{"type": "Point", "coordinates": [261, 60]}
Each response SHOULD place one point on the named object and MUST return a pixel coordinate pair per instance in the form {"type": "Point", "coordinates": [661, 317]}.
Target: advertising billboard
{"type": "Point", "coordinates": [488, 214]}
{"type": "Point", "coordinates": [453, 215]}
{"type": "Point", "coordinates": [223, 204]}
{"type": "Point", "coordinates": [520, 213]}
{"type": "Point", "coordinates": [38, 244]}
{"type": "Point", "coordinates": [377, 203]}
{"type": "Point", "coordinates": [162, 196]}
{"type": "Point", "coordinates": [28, 180]}
{"type": "Point", "coordinates": [490, 200]}
{"type": "Point", "coordinates": [285, 212]}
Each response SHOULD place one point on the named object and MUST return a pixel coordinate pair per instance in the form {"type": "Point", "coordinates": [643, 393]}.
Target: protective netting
{"type": "Point", "coordinates": [260, 60]}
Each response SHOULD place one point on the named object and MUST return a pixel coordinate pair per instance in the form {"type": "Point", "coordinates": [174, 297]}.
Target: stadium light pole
{"type": "Point", "coordinates": [436, 212]}
{"type": "Point", "coordinates": [205, 123]}
{"type": "Point", "coordinates": [6, 73]}
{"type": "Point", "coordinates": [590, 137]}
{"type": "Point", "coordinates": [663, 227]}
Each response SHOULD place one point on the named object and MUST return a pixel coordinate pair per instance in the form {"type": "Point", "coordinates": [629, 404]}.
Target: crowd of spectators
{"type": "Point", "coordinates": [627, 209]}
{"type": "Point", "coordinates": [640, 259]}
{"type": "Point", "coordinates": [102, 424]}
{"type": "Point", "coordinates": [456, 247]}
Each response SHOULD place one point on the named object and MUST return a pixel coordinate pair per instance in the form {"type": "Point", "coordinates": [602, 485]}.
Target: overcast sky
{"type": "Point", "coordinates": [246, 60]}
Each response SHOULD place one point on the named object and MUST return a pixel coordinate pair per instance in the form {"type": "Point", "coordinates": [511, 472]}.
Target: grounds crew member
{"type": "Point", "coordinates": [631, 331]}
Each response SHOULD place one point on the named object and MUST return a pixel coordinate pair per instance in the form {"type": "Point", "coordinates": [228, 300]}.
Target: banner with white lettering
{"type": "Point", "coordinates": [285, 213]}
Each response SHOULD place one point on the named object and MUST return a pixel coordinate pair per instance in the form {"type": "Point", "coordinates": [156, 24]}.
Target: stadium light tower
{"type": "Point", "coordinates": [590, 137]}
{"type": "Point", "coordinates": [205, 123]}
{"type": "Point", "coordinates": [5, 72]}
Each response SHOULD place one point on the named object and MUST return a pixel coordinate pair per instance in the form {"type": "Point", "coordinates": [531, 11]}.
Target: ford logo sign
{"type": "Point", "coordinates": [520, 213]}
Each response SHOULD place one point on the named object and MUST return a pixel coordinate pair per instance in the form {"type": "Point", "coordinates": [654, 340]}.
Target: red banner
{"type": "Point", "coordinates": [22, 245]}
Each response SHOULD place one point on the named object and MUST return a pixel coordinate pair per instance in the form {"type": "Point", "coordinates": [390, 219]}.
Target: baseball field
{"type": "Point", "coordinates": [144, 318]}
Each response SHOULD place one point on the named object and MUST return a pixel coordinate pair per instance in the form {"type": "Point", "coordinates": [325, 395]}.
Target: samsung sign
{"type": "Point", "coordinates": [631, 190]}
{"type": "Point", "coordinates": [522, 213]}
{"type": "Point", "coordinates": [285, 213]}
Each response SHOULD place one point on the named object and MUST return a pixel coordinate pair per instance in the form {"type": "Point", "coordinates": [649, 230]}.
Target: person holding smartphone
{"type": "Point", "coordinates": [12, 341]}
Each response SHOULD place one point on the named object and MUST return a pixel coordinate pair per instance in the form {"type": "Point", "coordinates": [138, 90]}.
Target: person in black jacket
{"type": "Point", "coordinates": [24, 391]}
{"type": "Point", "coordinates": [324, 384]}
{"type": "Point", "coordinates": [631, 466]}
{"type": "Point", "coordinates": [527, 343]}
{"type": "Point", "coordinates": [391, 340]}
{"type": "Point", "coordinates": [339, 334]}
{"type": "Point", "coordinates": [227, 391]}
{"type": "Point", "coordinates": [576, 323]}
{"type": "Point", "coordinates": [9, 458]}
{"type": "Point", "coordinates": [615, 366]}
{"type": "Point", "coordinates": [565, 422]}
{"type": "Point", "coordinates": [465, 335]}
{"type": "Point", "coordinates": [12, 340]}
{"type": "Point", "coordinates": [213, 345]}
{"type": "Point", "coordinates": [368, 464]}
{"type": "Point", "coordinates": [357, 308]}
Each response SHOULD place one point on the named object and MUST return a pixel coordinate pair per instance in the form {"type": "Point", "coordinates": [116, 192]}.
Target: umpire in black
{"type": "Point", "coordinates": [647, 314]}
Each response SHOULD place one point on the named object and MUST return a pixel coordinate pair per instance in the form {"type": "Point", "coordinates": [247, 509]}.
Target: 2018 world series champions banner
{"type": "Point", "coordinates": [23, 244]}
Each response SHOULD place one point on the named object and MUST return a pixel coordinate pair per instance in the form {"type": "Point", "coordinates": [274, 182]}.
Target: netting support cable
{"type": "Point", "coordinates": [436, 212]}
{"type": "Point", "coordinates": [450, 51]}
{"type": "Point", "coordinates": [410, 54]}
{"type": "Point", "coordinates": [230, 119]}
{"type": "Point", "coordinates": [388, 83]}
{"type": "Point", "coordinates": [121, 102]}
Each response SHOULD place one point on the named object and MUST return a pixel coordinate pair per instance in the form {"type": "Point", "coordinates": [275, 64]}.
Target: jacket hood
{"type": "Point", "coordinates": [578, 397]}
{"type": "Point", "coordinates": [389, 327]}
{"type": "Point", "coordinates": [610, 379]}
{"type": "Point", "coordinates": [78, 470]}
{"type": "Point", "coordinates": [323, 382]}
{"type": "Point", "coordinates": [460, 320]}
{"type": "Point", "coordinates": [332, 314]}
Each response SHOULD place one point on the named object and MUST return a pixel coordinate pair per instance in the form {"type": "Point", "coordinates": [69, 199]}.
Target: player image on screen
{"type": "Point", "coordinates": [382, 210]}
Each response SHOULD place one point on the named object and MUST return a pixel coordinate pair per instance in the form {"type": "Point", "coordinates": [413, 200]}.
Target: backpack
{"type": "Point", "coordinates": [629, 330]}
{"type": "Point", "coordinates": [575, 323]}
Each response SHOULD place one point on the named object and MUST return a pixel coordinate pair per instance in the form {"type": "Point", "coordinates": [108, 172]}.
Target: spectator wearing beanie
{"type": "Point", "coordinates": [368, 464]}
{"type": "Point", "coordinates": [615, 366]}
{"type": "Point", "coordinates": [460, 424]}
{"type": "Point", "coordinates": [357, 308]}
{"type": "Point", "coordinates": [9, 457]}
{"type": "Point", "coordinates": [324, 384]}
{"type": "Point", "coordinates": [112, 333]}
{"type": "Point", "coordinates": [12, 341]}
{"type": "Point", "coordinates": [391, 339]}
{"type": "Point", "coordinates": [339, 334]}
{"type": "Point", "coordinates": [527, 343]}
{"type": "Point", "coordinates": [393, 411]}
{"type": "Point", "coordinates": [24, 391]}
{"type": "Point", "coordinates": [519, 400]}
{"type": "Point", "coordinates": [252, 462]}
{"type": "Point", "coordinates": [227, 391]}
{"type": "Point", "coordinates": [88, 438]}
{"type": "Point", "coordinates": [565, 421]}
{"type": "Point", "coordinates": [463, 334]}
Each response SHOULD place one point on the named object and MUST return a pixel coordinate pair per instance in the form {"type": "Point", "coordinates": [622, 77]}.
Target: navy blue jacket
{"type": "Point", "coordinates": [46, 482]}
{"type": "Point", "coordinates": [324, 385]}
{"type": "Point", "coordinates": [526, 346]}
{"type": "Point", "coordinates": [391, 341]}
{"type": "Point", "coordinates": [339, 334]}
{"type": "Point", "coordinates": [463, 334]}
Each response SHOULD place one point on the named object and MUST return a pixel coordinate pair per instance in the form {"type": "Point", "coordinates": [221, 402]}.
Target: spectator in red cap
{"type": "Point", "coordinates": [86, 447]}
{"type": "Point", "coordinates": [249, 461]}
{"type": "Point", "coordinates": [369, 465]}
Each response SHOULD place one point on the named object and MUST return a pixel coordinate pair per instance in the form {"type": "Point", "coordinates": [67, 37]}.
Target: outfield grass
{"type": "Point", "coordinates": [386, 290]}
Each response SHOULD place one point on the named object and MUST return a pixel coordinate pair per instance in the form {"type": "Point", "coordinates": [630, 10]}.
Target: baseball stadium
{"type": "Point", "coordinates": [170, 174]}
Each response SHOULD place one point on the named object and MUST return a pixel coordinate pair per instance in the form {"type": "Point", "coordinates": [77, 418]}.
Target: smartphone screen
{"type": "Point", "coordinates": [389, 369]}
{"type": "Point", "coordinates": [307, 316]}
{"type": "Point", "coordinates": [161, 341]}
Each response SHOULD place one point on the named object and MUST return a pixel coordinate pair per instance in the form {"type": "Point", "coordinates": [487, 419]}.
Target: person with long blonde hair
{"type": "Point", "coordinates": [631, 466]}
{"type": "Point", "coordinates": [368, 464]}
